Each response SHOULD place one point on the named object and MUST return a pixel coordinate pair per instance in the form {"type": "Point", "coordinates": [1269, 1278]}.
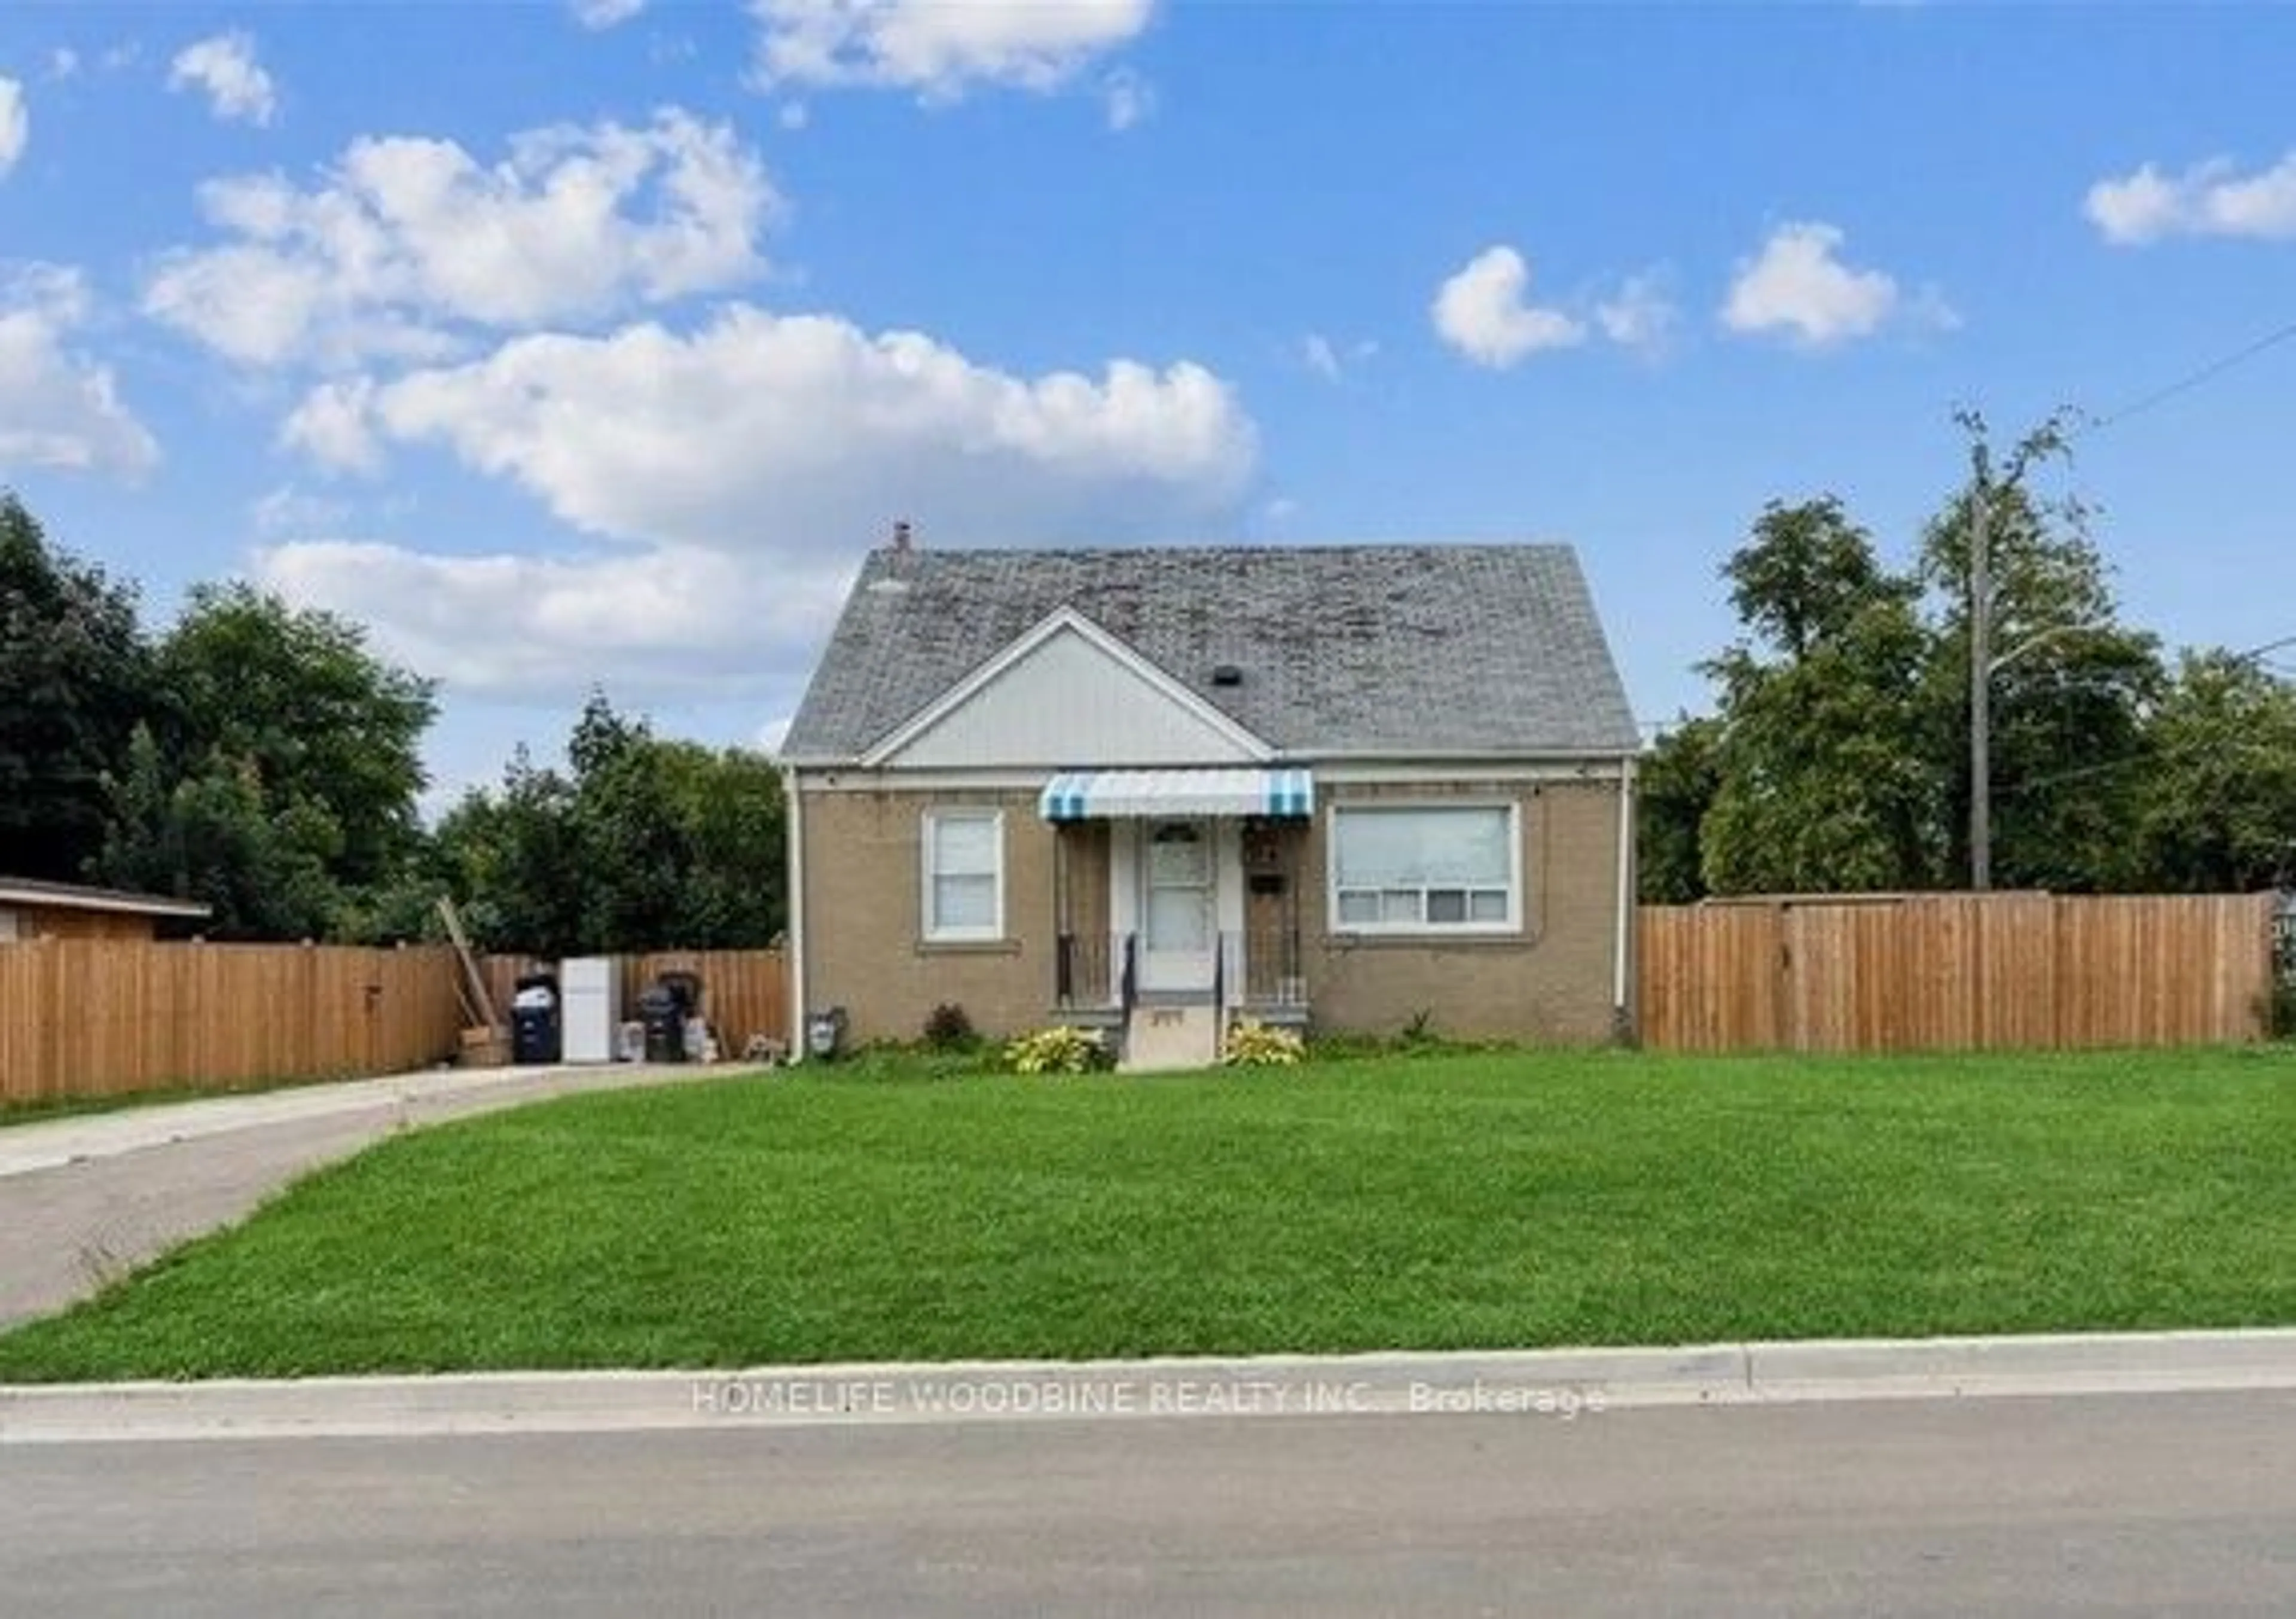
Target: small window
{"type": "Point", "coordinates": [964, 875]}
{"type": "Point", "coordinates": [1433, 869]}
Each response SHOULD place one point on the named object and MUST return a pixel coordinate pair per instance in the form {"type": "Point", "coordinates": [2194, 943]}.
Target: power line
{"type": "Point", "coordinates": [2254, 654]}
{"type": "Point", "coordinates": [2192, 380]}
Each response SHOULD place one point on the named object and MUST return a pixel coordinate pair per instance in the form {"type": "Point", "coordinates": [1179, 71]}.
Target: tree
{"type": "Point", "coordinates": [729, 802]}
{"type": "Point", "coordinates": [210, 836]}
{"type": "Point", "coordinates": [2069, 687]}
{"type": "Point", "coordinates": [2217, 808]}
{"type": "Point", "coordinates": [1821, 783]}
{"type": "Point", "coordinates": [330, 733]}
{"type": "Point", "coordinates": [511, 860]}
{"type": "Point", "coordinates": [635, 843]}
{"type": "Point", "coordinates": [74, 677]}
{"type": "Point", "coordinates": [645, 845]}
{"type": "Point", "coordinates": [1679, 778]}
{"type": "Point", "coordinates": [1805, 576]}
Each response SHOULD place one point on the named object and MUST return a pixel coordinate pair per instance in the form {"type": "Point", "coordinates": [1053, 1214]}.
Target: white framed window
{"type": "Point", "coordinates": [964, 876]}
{"type": "Point", "coordinates": [1425, 868]}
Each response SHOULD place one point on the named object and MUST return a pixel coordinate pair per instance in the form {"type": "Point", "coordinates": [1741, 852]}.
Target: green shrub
{"type": "Point", "coordinates": [1060, 1049]}
{"type": "Point", "coordinates": [948, 1028]}
{"type": "Point", "coordinates": [2279, 1009]}
{"type": "Point", "coordinates": [1252, 1044]}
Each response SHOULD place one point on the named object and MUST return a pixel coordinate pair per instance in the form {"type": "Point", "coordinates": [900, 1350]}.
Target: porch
{"type": "Point", "coordinates": [1180, 890]}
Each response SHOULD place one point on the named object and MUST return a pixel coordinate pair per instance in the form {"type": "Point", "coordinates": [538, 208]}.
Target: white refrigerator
{"type": "Point", "coordinates": [590, 990]}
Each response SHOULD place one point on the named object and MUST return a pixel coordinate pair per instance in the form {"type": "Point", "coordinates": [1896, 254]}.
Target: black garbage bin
{"type": "Point", "coordinates": [664, 1007]}
{"type": "Point", "coordinates": [537, 1026]}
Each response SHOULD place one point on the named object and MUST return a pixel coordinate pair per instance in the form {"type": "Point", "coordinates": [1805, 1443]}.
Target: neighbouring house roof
{"type": "Point", "coordinates": [1399, 650]}
{"type": "Point", "coordinates": [73, 896]}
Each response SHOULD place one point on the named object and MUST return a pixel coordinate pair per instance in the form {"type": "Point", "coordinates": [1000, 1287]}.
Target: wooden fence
{"type": "Point", "coordinates": [85, 1017]}
{"type": "Point", "coordinates": [744, 993]}
{"type": "Point", "coordinates": [1955, 972]}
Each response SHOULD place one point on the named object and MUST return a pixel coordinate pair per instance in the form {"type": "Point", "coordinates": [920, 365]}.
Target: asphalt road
{"type": "Point", "coordinates": [2154, 1505]}
{"type": "Point", "coordinates": [85, 1200]}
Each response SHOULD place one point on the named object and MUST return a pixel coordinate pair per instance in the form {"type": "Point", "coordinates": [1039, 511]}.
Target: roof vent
{"type": "Point", "coordinates": [1226, 674]}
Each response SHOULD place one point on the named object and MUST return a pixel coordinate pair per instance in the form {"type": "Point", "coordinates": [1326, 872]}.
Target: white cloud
{"type": "Point", "coordinates": [1640, 315]}
{"type": "Point", "coordinates": [1483, 312]}
{"type": "Point", "coordinates": [15, 125]}
{"type": "Point", "coordinates": [1798, 286]}
{"type": "Point", "coordinates": [2210, 199]}
{"type": "Point", "coordinates": [405, 239]}
{"type": "Point", "coordinates": [58, 408]}
{"type": "Point", "coordinates": [63, 62]}
{"type": "Point", "coordinates": [224, 68]}
{"type": "Point", "coordinates": [649, 434]}
{"type": "Point", "coordinates": [289, 511]}
{"type": "Point", "coordinates": [673, 619]}
{"type": "Point", "coordinates": [1331, 360]}
{"type": "Point", "coordinates": [600, 14]}
{"type": "Point", "coordinates": [331, 426]}
{"type": "Point", "coordinates": [1129, 99]}
{"type": "Point", "coordinates": [747, 465]}
{"type": "Point", "coordinates": [938, 48]}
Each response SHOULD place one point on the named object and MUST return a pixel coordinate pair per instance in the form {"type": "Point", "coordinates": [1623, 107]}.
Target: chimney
{"type": "Point", "coordinates": [901, 534]}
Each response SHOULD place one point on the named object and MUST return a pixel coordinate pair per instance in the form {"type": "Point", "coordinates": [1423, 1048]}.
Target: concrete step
{"type": "Point", "coordinates": [1169, 1035]}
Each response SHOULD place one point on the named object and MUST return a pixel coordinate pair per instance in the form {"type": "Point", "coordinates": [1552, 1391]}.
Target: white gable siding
{"type": "Point", "coordinates": [1066, 702]}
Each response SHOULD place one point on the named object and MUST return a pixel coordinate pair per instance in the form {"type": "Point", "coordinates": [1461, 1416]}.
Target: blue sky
{"type": "Point", "coordinates": [566, 344]}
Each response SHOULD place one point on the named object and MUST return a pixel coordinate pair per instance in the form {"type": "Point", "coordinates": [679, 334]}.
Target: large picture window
{"type": "Point", "coordinates": [964, 875]}
{"type": "Point", "coordinates": [1425, 868]}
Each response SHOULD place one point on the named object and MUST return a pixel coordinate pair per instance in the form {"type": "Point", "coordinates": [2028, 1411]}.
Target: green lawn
{"type": "Point", "coordinates": [1486, 1200]}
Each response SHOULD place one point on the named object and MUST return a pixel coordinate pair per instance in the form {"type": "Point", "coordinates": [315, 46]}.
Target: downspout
{"type": "Point", "coordinates": [798, 1041]}
{"type": "Point", "coordinates": [1622, 1011]}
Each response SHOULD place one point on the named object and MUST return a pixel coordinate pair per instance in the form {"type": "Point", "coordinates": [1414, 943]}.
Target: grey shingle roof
{"type": "Point", "coordinates": [1345, 649]}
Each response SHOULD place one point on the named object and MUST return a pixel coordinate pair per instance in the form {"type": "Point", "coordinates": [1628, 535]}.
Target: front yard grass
{"type": "Point", "coordinates": [1514, 1199]}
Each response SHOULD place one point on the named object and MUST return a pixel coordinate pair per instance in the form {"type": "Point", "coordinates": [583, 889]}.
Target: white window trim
{"type": "Point", "coordinates": [1512, 926]}
{"type": "Point", "coordinates": [926, 929]}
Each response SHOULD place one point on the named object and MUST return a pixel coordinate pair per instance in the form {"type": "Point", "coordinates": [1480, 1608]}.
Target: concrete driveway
{"type": "Point", "coordinates": [85, 1200]}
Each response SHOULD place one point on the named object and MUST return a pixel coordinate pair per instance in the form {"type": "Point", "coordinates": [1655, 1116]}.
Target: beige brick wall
{"type": "Point", "coordinates": [1552, 983]}
{"type": "Point", "coordinates": [864, 893]}
{"type": "Point", "coordinates": [864, 896]}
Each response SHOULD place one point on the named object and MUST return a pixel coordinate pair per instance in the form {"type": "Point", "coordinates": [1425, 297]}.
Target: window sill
{"type": "Point", "coordinates": [1421, 938]}
{"type": "Point", "coordinates": [968, 946]}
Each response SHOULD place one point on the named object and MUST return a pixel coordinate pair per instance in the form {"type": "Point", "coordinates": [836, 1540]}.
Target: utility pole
{"type": "Point", "coordinates": [1981, 674]}
{"type": "Point", "coordinates": [2052, 437]}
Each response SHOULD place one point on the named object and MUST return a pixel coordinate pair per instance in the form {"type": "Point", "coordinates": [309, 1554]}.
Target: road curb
{"type": "Point", "coordinates": [1557, 1384]}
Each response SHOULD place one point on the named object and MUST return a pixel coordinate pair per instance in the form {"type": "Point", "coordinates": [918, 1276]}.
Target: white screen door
{"type": "Point", "coordinates": [1177, 938]}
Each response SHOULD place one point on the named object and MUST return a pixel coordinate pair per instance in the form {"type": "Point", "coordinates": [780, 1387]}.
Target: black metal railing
{"type": "Point", "coordinates": [1265, 965]}
{"type": "Point", "coordinates": [1129, 987]}
{"type": "Point", "coordinates": [1089, 970]}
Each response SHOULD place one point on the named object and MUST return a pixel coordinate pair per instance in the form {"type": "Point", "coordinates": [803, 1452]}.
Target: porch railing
{"type": "Point", "coordinates": [1093, 972]}
{"type": "Point", "coordinates": [1262, 967]}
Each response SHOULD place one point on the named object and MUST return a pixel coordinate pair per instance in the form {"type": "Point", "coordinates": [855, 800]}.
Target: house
{"type": "Point", "coordinates": [30, 909]}
{"type": "Point", "coordinates": [1154, 790]}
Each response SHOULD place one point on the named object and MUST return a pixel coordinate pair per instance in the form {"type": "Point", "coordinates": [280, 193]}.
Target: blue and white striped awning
{"type": "Point", "coordinates": [1080, 795]}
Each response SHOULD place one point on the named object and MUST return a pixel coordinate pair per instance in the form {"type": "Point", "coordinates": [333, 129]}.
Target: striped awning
{"type": "Point", "coordinates": [1081, 795]}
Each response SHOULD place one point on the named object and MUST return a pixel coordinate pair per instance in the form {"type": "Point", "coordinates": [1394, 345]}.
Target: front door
{"type": "Point", "coordinates": [1177, 938]}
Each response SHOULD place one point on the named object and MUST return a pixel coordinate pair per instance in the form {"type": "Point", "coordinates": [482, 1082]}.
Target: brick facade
{"type": "Point", "coordinates": [863, 903]}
